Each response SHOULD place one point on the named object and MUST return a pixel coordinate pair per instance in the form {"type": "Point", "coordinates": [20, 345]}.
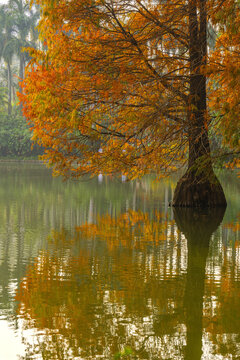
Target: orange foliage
{"type": "Point", "coordinates": [225, 74]}
{"type": "Point", "coordinates": [110, 91]}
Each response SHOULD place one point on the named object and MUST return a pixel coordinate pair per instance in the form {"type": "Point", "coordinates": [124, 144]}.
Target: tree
{"type": "Point", "coordinates": [17, 30]}
{"type": "Point", "coordinates": [121, 88]}
{"type": "Point", "coordinates": [7, 48]}
{"type": "Point", "coordinates": [26, 34]}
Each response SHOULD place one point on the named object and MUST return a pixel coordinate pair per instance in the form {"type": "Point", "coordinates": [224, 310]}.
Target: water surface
{"type": "Point", "coordinates": [104, 269]}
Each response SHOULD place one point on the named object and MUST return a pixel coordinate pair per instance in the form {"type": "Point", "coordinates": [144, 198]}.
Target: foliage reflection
{"type": "Point", "coordinates": [134, 286]}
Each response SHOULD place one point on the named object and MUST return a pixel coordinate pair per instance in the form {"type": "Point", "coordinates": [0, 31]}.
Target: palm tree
{"type": "Point", "coordinates": [26, 34]}
{"type": "Point", "coordinates": [7, 47]}
{"type": "Point", "coordinates": [17, 31]}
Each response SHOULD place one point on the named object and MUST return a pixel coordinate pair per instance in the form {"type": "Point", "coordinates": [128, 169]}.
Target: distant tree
{"type": "Point", "coordinates": [17, 31]}
{"type": "Point", "coordinates": [122, 88]}
{"type": "Point", "coordinates": [26, 34]}
{"type": "Point", "coordinates": [7, 47]}
{"type": "Point", "coordinates": [3, 98]}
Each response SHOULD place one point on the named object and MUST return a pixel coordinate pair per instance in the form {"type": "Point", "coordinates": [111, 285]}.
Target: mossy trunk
{"type": "Point", "coordinates": [197, 191]}
{"type": "Point", "coordinates": [199, 187]}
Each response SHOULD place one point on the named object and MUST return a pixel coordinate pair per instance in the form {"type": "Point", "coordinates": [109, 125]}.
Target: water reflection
{"type": "Point", "coordinates": [100, 296]}
{"type": "Point", "coordinates": [197, 226]}
{"type": "Point", "coordinates": [133, 284]}
{"type": "Point", "coordinates": [116, 286]}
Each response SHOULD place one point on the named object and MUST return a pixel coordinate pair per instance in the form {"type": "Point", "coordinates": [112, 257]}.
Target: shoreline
{"type": "Point", "coordinates": [3, 160]}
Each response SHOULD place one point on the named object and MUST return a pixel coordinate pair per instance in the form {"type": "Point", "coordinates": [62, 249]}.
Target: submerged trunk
{"type": "Point", "coordinates": [199, 187]}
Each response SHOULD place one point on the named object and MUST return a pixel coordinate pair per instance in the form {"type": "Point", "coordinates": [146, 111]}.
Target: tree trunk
{"type": "Point", "coordinates": [21, 74]}
{"type": "Point", "coordinates": [199, 187]}
{"type": "Point", "coordinates": [9, 88]}
{"type": "Point", "coordinates": [21, 69]}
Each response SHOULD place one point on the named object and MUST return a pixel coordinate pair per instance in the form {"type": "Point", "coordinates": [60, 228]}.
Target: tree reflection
{"type": "Point", "coordinates": [197, 226]}
{"type": "Point", "coordinates": [105, 289]}
{"type": "Point", "coordinates": [126, 282]}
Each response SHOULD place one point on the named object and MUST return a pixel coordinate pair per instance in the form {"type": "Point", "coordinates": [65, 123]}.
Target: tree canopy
{"type": "Point", "coordinates": [120, 86]}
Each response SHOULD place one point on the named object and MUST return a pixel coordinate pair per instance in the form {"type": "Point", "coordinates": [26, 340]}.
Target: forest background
{"type": "Point", "coordinates": [18, 30]}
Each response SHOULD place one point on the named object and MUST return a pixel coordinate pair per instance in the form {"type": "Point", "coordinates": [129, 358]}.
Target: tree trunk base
{"type": "Point", "coordinates": [195, 191]}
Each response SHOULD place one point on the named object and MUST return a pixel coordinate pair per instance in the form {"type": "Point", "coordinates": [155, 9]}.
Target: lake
{"type": "Point", "coordinates": [104, 269]}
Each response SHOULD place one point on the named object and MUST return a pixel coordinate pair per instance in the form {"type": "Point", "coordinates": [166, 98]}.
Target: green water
{"type": "Point", "coordinates": [104, 269]}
